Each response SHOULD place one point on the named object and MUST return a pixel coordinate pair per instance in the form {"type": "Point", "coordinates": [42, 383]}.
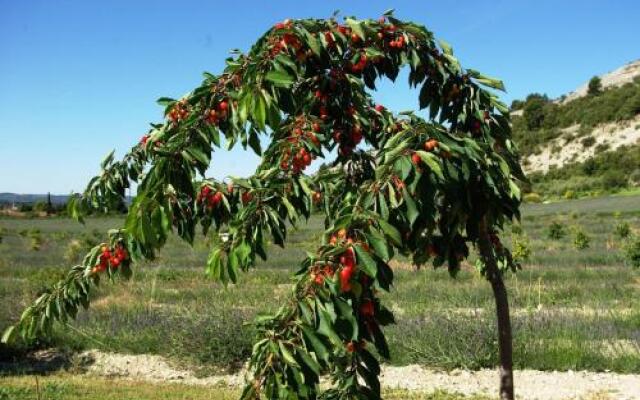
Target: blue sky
{"type": "Point", "coordinates": [79, 78]}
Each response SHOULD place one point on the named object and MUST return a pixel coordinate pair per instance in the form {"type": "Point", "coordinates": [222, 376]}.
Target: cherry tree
{"type": "Point", "coordinates": [430, 189]}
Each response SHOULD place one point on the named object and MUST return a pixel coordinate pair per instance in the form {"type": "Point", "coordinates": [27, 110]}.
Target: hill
{"type": "Point", "coordinates": [585, 142]}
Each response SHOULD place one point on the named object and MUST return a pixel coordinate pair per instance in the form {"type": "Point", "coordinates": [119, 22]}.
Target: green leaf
{"type": "Point", "coordinates": [309, 361]}
{"type": "Point", "coordinates": [486, 80]}
{"type": "Point", "coordinates": [446, 47]}
{"type": "Point", "coordinates": [260, 111]}
{"type": "Point", "coordinates": [390, 231]}
{"type": "Point", "coordinates": [412, 211]}
{"type": "Point", "coordinates": [379, 244]}
{"type": "Point", "coordinates": [356, 27]}
{"type": "Point", "coordinates": [287, 356]}
{"type": "Point", "coordinates": [107, 159]}
{"type": "Point", "coordinates": [432, 162]}
{"type": "Point", "coordinates": [8, 334]}
{"type": "Point", "coordinates": [165, 101]}
{"type": "Point", "coordinates": [279, 78]}
{"type": "Point", "coordinates": [365, 261]}
{"type": "Point", "coordinates": [318, 347]}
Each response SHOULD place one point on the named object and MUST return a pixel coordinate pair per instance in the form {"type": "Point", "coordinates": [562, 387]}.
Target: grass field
{"type": "Point", "coordinates": [70, 387]}
{"type": "Point", "coordinates": [571, 309]}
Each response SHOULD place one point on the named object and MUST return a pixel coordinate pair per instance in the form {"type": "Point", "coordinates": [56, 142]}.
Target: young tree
{"type": "Point", "coordinates": [426, 189]}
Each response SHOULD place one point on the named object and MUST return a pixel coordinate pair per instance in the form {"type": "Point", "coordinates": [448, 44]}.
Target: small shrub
{"type": "Point", "coordinates": [74, 251]}
{"type": "Point", "coordinates": [581, 240]}
{"type": "Point", "coordinates": [602, 147]}
{"type": "Point", "coordinates": [632, 252]}
{"type": "Point", "coordinates": [532, 197]}
{"type": "Point", "coordinates": [588, 142]}
{"type": "Point", "coordinates": [570, 195]}
{"type": "Point", "coordinates": [521, 248]}
{"type": "Point", "coordinates": [622, 230]}
{"type": "Point", "coordinates": [634, 177]}
{"type": "Point", "coordinates": [595, 86]}
{"type": "Point", "coordinates": [614, 179]}
{"type": "Point", "coordinates": [556, 231]}
{"type": "Point", "coordinates": [516, 229]}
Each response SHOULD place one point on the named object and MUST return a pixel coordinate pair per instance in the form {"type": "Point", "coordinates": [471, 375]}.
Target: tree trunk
{"type": "Point", "coordinates": [494, 276]}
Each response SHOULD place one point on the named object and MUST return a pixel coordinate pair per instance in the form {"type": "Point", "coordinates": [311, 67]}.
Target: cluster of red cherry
{"type": "Point", "coordinates": [208, 197]}
{"type": "Point", "coordinates": [179, 111]}
{"type": "Point", "coordinates": [214, 115]}
{"type": "Point", "coordinates": [110, 257]}
{"type": "Point", "coordinates": [295, 155]}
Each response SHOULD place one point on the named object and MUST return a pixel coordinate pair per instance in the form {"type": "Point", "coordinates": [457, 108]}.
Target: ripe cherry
{"type": "Point", "coordinates": [355, 38]}
{"type": "Point", "coordinates": [379, 108]}
{"type": "Point", "coordinates": [415, 159]}
{"type": "Point", "coordinates": [223, 106]}
{"type": "Point", "coordinates": [115, 262]}
{"type": "Point", "coordinates": [316, 197]}
{"type": "Point", "coordinates": [316, 127]}
{"type": "Point", "coordinates": [345, 278]}
{"type": "Point", "coordinates": [430, 145]}
{"type": "Point", "coordinates": [367, 309]}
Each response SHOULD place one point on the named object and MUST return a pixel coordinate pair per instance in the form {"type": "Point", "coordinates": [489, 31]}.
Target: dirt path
{"type": "Point", "coordinates": [531, 385]}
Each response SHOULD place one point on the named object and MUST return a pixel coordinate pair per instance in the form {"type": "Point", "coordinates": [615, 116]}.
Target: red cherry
{"type": "Point", "coordinates": [319, 279]}
{"type": "Point", "coordinates": [379, 108]}
{"type": "Point", "coordinates": [345, 277]}
{"type": "Point", "coordinates": [355, 38]}
{"type": "Point", "coordinates": [351, 347]}
{"type": "Point", "coordinates": [415, 159]}
{"type": "Point", "coordinates": [279, 25]}
{"type": "Point", "coordinates": [316, 127]}
{"type": "Point", "coordinates": [367, 309]}
{"type": "Point", "coordinates": [223, 106]}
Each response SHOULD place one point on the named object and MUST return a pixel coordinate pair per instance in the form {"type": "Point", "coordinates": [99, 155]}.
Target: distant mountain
{"type": "Point", "coordinates": [10, 198]}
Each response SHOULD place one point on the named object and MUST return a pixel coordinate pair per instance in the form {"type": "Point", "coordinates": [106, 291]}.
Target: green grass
{"type": "Point", "coordinates": [70, 387]}
{"type": "Point", "coordinates": [571, 309]}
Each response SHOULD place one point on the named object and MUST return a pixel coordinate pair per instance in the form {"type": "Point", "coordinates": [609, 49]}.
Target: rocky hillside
{"type": "Point", "coordinates": [616, 78]}
{"type": "Point", "coordinates": [561, 140]}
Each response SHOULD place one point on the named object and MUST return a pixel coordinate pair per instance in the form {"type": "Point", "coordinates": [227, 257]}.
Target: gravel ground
{"type": "Point", "coordinates": [530, 385]}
